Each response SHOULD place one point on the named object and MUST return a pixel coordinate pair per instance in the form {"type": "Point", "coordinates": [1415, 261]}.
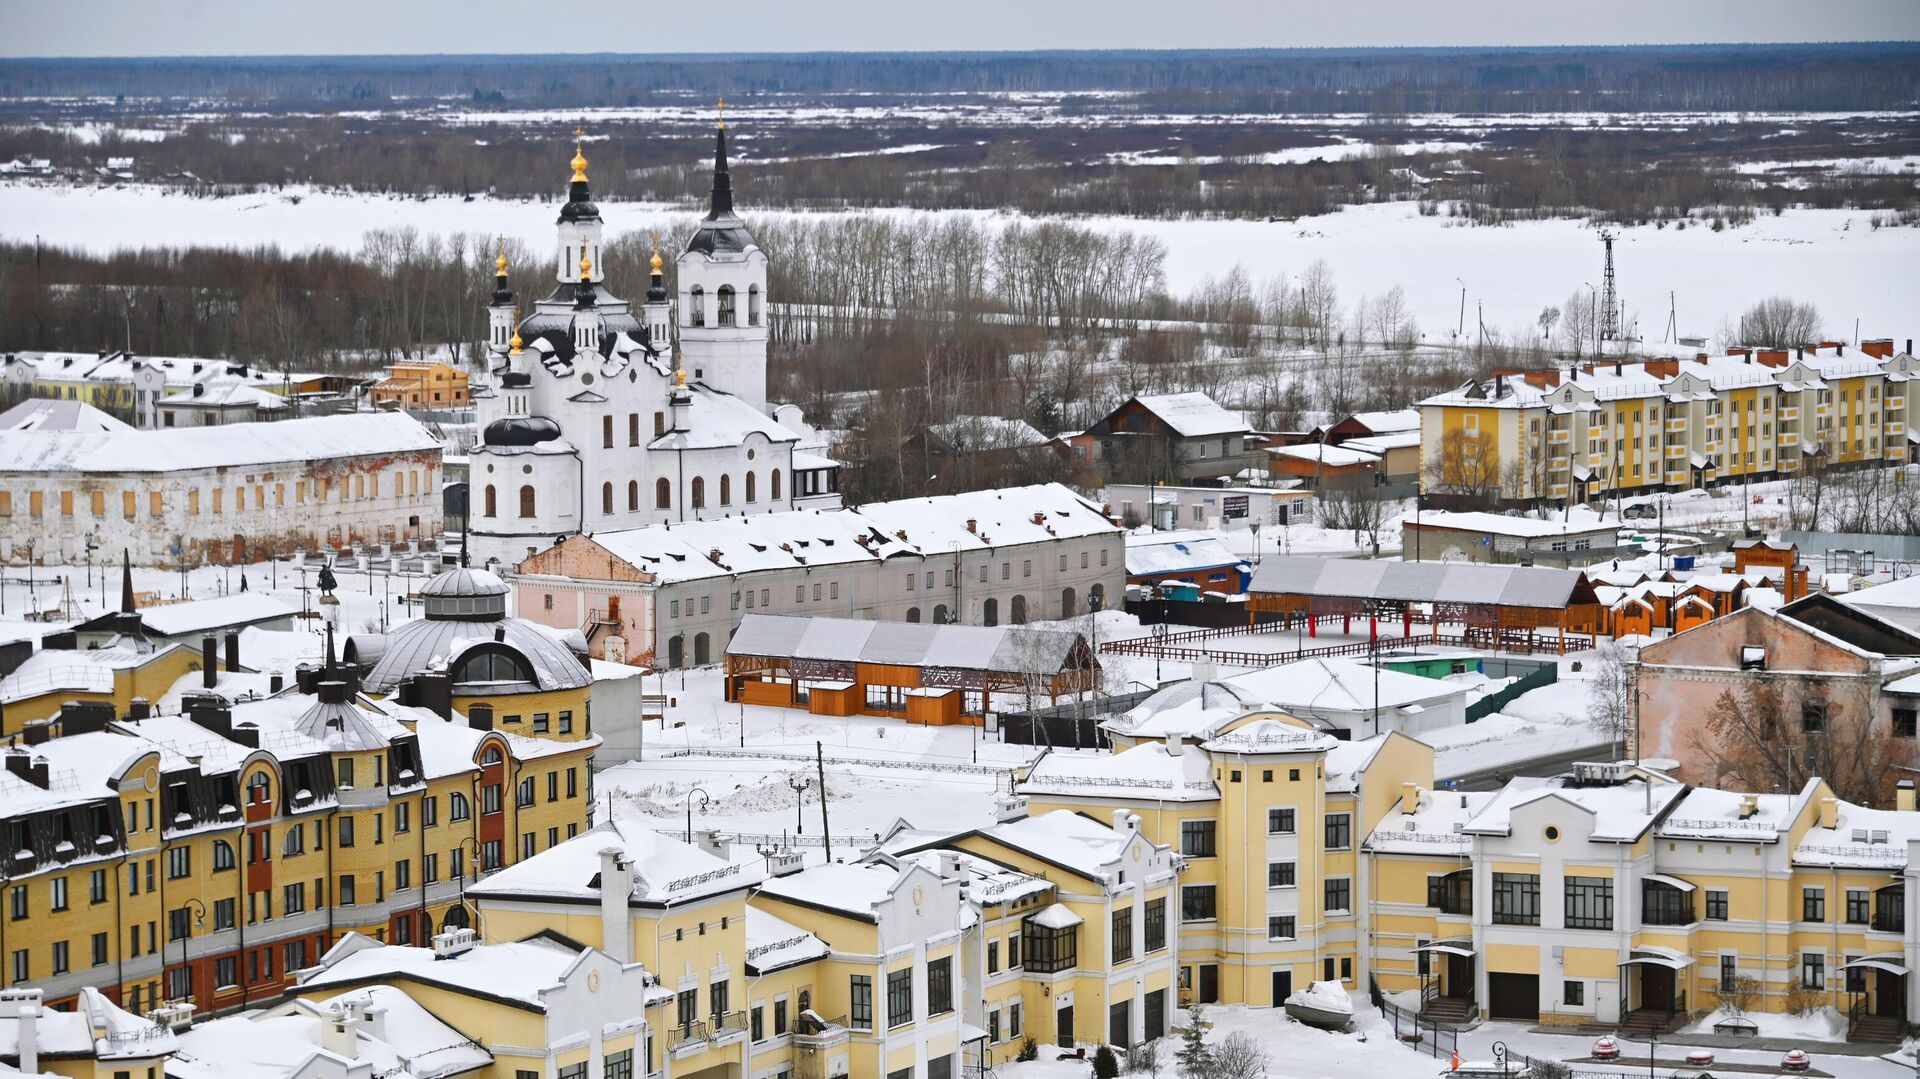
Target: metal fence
{"type": "Point", "coordinates": [1412, 1029]}
{"type": "Point", "coordinates": [1545, 674]}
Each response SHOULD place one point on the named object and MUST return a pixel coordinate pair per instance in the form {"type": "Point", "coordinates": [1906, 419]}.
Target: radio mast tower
{"type": "Point", "coordinates": [1609, 297]}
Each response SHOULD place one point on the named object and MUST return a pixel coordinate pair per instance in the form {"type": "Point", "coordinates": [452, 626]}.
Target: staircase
{"type": "Point", "coordinates": [1647, 1022]}
{"type": "Point", "coordinates": [1449, 1011]}
{"type": "Point", "coordinates": [1875, 1028]}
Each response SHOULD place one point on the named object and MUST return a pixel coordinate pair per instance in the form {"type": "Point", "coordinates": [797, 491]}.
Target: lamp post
{"type": "Point", "coordinates": [1159, 647]}
{"type": "Point", "coordinates": [704, 802]}
{"type": "Point", "coordinates": [1255, 526]}
{"type": "Point", "coordinates": [199, 910]}
{"type": "Point", "coordinates": [799, 802]}
{"type": "Point", "coordinates": [464, 844]}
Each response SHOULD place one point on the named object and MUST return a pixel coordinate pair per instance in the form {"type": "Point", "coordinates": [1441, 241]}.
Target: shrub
{"type": "Point", "coordinates": [1105, 1064]}
{"type": "Point", "coordinates": [1028, 1050]}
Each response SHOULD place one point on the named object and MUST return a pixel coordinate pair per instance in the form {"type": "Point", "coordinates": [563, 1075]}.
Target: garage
{"type": "Point", "coordinates": [1513, 996]}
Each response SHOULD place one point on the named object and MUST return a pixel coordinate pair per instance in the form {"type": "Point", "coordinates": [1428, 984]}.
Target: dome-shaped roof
{"type": "Point", "coordinates": [521, 431]}
{"type": "Point", "coordinates": [429, 644]}
{"type": "Point", "coordinates": [463, 581]}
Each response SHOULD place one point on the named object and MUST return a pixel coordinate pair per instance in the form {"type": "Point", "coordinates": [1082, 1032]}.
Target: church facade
{"type": "Point", "coordinates": [600, 414]}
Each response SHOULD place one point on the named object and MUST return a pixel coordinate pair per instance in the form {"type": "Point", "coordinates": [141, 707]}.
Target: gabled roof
{"type": "Point", "coordinates": [1423, 582]}
{"type": "Point", "coordinates": [1008, 649]}
{"type": "Point", "coordinates": [47, 414]}
{"type": "Point", "coordinates": [1193, 415]}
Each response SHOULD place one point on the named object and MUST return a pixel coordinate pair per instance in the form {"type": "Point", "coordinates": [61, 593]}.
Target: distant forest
{"type": "Point", "coordinates": [1382, 81]}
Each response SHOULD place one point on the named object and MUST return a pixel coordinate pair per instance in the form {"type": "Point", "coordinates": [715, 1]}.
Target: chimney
{"type": "Point", "coordinates": [1409, 798]}
{"type": "Point", "coordinates": [340, 1031]}
{"type": "Point", "coordinates": [139, 708]}
{"type": "Point", "coordinates": [1205, 670]}
{"type": "Point", "coordinates": [1120, 820]}
{"type": "Point", "coordinates": [1008, 808]}
{"type": "Point", "coordinates": [709, 840]}
{"type": "Point", "coordinates": [233, 651]}
{"type": "Point", "coordinates": [276, 682]}
{"type": "Point", "coordinates": [784, 862]}
{"type": "Point", "coordinates": [949, 865]}
{"type": "Point", "coordinates": [28, 767]}
{"type": "Point", "coordinates": [1880, 348]}
{"type": "Point", "coordinates": [37, 731]}
{"type": "Point", "coordinates": [1903, 796]}
{"type": "Point", "coordinates": [209, 662]}
{"type": "Point", "coordinates": [1749, 805]}
{"type": "Point", "coordinates": [616, 921]}
{"type": "Point", "coordinates": [212, 715]}
{"type": "Point", "coordinates": [246, 734]}
{"type": "Point", "coordinates": [480, 717]}
{"type": "Point", "coordinates": [1829, 812]}
{"type": "Point", "coordinates": [1175, 745]}
{"type": "Point", "coordinates": [376, 1019]}
{"type": "Point", "coordinates": [27, 1040]}
{"type": "Point", "coordinates": [973, 525]}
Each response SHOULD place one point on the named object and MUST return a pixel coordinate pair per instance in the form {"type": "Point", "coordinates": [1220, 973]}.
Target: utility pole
{"type": "Point", "coordinates": [820, 765]}
{"type": "Point", "coordinates": [1673, 321]}
{"type": "Point", "coordinates": [1610, 302]}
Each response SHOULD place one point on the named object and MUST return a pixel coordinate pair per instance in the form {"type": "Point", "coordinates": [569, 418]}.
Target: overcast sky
{"type": "Point", "coordinates": [334, 27]}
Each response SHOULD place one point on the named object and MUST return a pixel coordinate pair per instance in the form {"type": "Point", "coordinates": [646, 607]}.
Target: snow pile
{"type": "Point", "coordinates": [1819, 1025]}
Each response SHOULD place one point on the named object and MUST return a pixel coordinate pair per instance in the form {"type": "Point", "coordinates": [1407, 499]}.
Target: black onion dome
{"type": "Point", "coordinates": [579, 205]}
{"type": "Point", "coordinates": [520, 431]}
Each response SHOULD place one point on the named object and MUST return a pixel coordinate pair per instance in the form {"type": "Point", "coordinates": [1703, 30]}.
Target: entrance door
{"type": "Point", "coordinates": [1656, 988]}
{"type": "Point", "coordinates": [1120, 1024]}
{"type": "Point", "coordinates": [1514, 996]}
{"type": "Point", "coordinates": [1063, 1026]}
{"type": "Point", "coordinates": [1209, 983]}
{"type": "Point", "coordinates": [1156, 1015]}
{"type": "Point", "coordinates": [1282, 986]}
{"type": "Point", "coordinates": [1459, 977]}
{"type": "Point", "coordinates": [1890, 994]}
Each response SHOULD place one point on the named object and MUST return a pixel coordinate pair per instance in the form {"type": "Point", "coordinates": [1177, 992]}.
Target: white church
{"type": "Point", "coordinates": [601, 416]}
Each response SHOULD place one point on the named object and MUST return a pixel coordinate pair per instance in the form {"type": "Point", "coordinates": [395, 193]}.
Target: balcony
{"type": "Point", "coordinates": [1894, 403]}
{"type": "Point", "coordinates": [1558, 437]}
{"type": "Point", "coordinates": [1676, 425]}
{"type": "Point", "coordinates": [1559, 464]}
{"type": "Point", "coordinates": [819, 1034]}
{"type": "Point", "coordinates": [1676, 451]}
{"type": "Point", "coordinates": [1788, 415]}
{"type": "Point", "coordinates": [688, 1037]}
{"type": "Point", "coordinates": [727, 1025]}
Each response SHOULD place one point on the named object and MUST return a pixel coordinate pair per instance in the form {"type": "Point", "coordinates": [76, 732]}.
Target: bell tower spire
{"type": "Point", "coordinates": [579, 224]}
{"type": "Point", "coordinates": [722, 202]}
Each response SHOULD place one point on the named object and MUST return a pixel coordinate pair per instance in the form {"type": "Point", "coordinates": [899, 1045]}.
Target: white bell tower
{"type": "Point", "coordinates": [723, 294]}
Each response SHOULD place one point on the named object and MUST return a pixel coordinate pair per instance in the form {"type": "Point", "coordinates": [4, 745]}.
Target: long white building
{"type": "Point", "coordinates": [606, 415]}
{"type": "Point", "coordinates": [673, 595]}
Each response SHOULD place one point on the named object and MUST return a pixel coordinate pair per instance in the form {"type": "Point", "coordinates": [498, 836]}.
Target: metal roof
{"type": "Point", "coordinates": [1422, 582]}
{"type": "Point", "coordinates": [1010, 649]}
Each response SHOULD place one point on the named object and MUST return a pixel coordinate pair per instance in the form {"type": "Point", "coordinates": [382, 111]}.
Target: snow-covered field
{"type": "Point", "coordinates": [1834, 259]}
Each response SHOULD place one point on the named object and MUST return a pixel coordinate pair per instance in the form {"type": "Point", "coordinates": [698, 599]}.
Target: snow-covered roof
{"type": "Point", "coordinates": [853, 888]}
{"type": "Point", "coordinates": [1151, 553]}
{"type": "Point", "coordinates": [279, 1043]}
{"type": "Point", "coordinates": [664, 868]}
{"type": "Point", "coordinates": [1341, 685]}
{"type": "Point", "coordinates": [1421, 582]}
{"type": "Point", "coordinates": [220, 613]}
{"type": "Point", "coordinates": [1193, 709]}
{"type": "Point", "coordinates": [94, 1028]}
{"type": "Point", "coordinates": [1066, 839]}
{"type": "Point", "coordinates": [49, 414]}
{"type": "Point", "coordinates": [1320, 453]}
{"type": "Point", "coordinates": [988, 433]}
{"type": "Point", "coordinates": [1621, 812]}
{"type": "Point", "coordinates": [226, 391]}
{"type": "Point", "coordinates": [774, 943]}
{"type": "Point", "coordinates": [915, 527]}
{"type": "Point", "coordinates": [1860, 837]}
{"type": "Point", "coordinates": [1704, 813]}
{"type": "Point", "coordinates": [1380, 423]}
{"type": "Point", "coordinates": [430, 644]}
{"type": "Point", "coordinates": [1901, 593]}
{"type": "Point", "coordinates": [1380, 444]}
{"type": "Point", "coordinates": [176, 449]}
{"type": "Point", "coordinates": [1435, 828]}
{"type": "Point", "coordinates": [1270, 735]}
{"type": "Point", "coordinates": [1009, 649]}
{"type": "Point", "coordinates": [60, 670]}
{"type": "Point", "coordinates": [1193, 414]}
{"type": "Point", "coordinates": [1147, 771]}
{"type": "Point", "coordinates": [717, 419]}
{"type": "Point", "coordinates": [1578, 521]}
{"type": "Point", "coordinates": [518, 972]}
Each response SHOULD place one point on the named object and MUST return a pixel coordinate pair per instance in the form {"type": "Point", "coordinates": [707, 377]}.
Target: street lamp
{"type": "Point", "coordinates": [464, 843]}
{"type": "Point", "coordinates": [1255, 526]}
{"type": "Point", "coordinates": [199, 922]}
{"type": "Point", "coordinates": [705, 801]}
{"type": "Point", "coordinates": [799, 802]}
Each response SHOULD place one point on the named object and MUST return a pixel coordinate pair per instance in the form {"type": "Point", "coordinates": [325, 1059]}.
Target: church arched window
{"type": "Point", "coordinates": [696, 306]}
{"type": "Point", "coordinates": [726, 489]}
{"type": "Point", "coordinates": [753, 305]}
{"type": "Point", "coordinates": [726, 306]}
{"type": "Point", "coordinates": [773, 486]}
{"type": "Point", "coordinates": [526, 501]}
{"type": "Point", "coordinates": [750, 488]}
{"type": "Point", "coordinates": [662, 494]}
{"type": "Point", "coordinates": [633, 495]}
{"type": "Point", "coordinates": [491, 501]}
{"type": "Point", "coordinates": [699, 492]}
{"type": "Point", "coordinates": [606, 498]}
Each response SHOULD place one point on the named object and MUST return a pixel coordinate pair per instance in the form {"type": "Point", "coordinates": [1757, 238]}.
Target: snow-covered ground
{"type": "Point", "coordinates": [1833, 259]}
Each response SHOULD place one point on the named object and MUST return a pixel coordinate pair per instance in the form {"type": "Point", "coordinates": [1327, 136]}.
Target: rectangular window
{"type": "Point", "coordinates": [1574, 993]}
{"type": "Point", "coordinates": [756, 1023]}
{"type": "Point", "coordinates": [1339, 831]}
{"type": "Point", "coordinates": [223, 910]}
{"type": "Point", "coordinates": [1197, 838]}
{"type": "Point", "coordinates": [1813, 904]}
{"type": "Point", "coordinates": [179, 862]}
{"type": "Point", "coordinates": [293, 898]}
{"type": "Point", "coordinates": [1729, 973]}
{"type": "Point", "coordinates": [1716, 904]}
{"type": "Point", "coordinates": [939, 986]}
{"type": "Point", "coordinates": [99, 949]}
{"type": "Point", "coordinates": [1122, 934]}
{"type": "Point", "coordinates": [620, 1065]}
{"type": "Point", "coordinates": [1589, 902]}
{"type": "Point", "coordinates": [1280, 874]}
{"type": "Point", "coordinates": [993, 957]}
{"type": "Point", "coordinates": [343, 894]}
{"type": "Point", "coordinates": [1813, 970]}
{"type": "Point", "coordinates": [17, 902]}
{"type": "Point", "coordinates": [1339, 894]}
{"type": "Point", "coordinates": [1156, 924]}
{"type": "Point", "coordinates": [1280, 927]}
{"type": "Point", "coordinates": [57, 894]}
{"type": "Point", "coordinates": [346, 828]}
{"type": "Point", "coordinates": [1013, 951]}
{"type": "Point", "coordinates": [1856, 906]}
{"type": "Point", "coordinates": [900, 997]}
{"type": "Point", "coordinates": [1903, 722]}
{"type": "Point", "coordinates": [1196, 903]}
{"type": "Point", "coordinates": [860, 1002]}
{"type": "Point", "coordinates": [1516, 899]}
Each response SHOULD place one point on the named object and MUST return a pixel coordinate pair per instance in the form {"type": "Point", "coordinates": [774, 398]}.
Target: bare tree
{"type": "Point", "coordinates": [1610, 693]}
{"type": "Point", "coordinates": [1775, 734]}
{"type": "Point", "coordinates": [1468, 465]}
{"type": "Point", "coordinates": [1238, 1056]}
{"type": "Point", "coordinates": [1779, 322]}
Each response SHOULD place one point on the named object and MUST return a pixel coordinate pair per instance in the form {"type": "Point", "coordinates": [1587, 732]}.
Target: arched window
{"type": "Point", "coordinates": [456, 917]}
{"type": "Point", "coordinates": [1019, 610]}
{"type": "Point", "coordinates": [750, 487]}
{"type": "Point", "coordinates": [1066, 603]}
{"type": "Point", "coordinates": [492, 503]}
{"type": "Point", "coordinates": [700, 646]}
{"type": "Point", "coordinates": [726, 489]}
{"type": "Point", "coordinates": [773, 485]}
{"type": "Point", "coordinates": [913, 614]}
{"type": "Point", "coordinates": [699, 492]}
{"type": "Point", "coordinates": [726, 306]}
{"type": "Point", "coordinates": [606, 498]}
{"type": "Point", "coordinates": [526, 501]}
{"type": "Point", "coordinates": [940, 614]}
{"type": "Point", "coordinates": [259, 789]}
{"type": "Point", "coordinates": [1097, 597]}
{"type": "Point", "coordinates": [990, 612]}
{"type": "Point", "coordinates": [493, 665]}
{"type": "Point", "coordinates": [222, 854]}
{"type": "Point", "coordinates": [459, 808]}
{"type": "Point", "coordinates": [753, 305]}
{"type": "Point", "coordinates": [491, 756]}
{"type": "Point", "coordinates": [662, 494]}
{"type": "Point", "coordinates": [696, 306]}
